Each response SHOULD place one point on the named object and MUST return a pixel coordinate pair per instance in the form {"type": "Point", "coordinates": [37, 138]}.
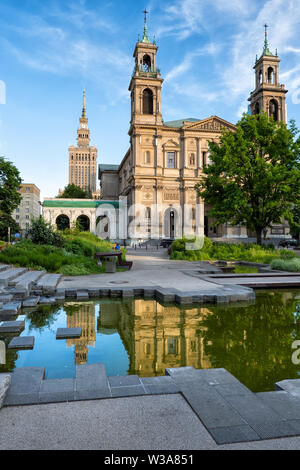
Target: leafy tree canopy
{"type": "Point", "coordinates": [10, 181]}
{"type": "Point", "coordinates": [254, 174]}
{"type": "Point", "coordinates": [74, 192]}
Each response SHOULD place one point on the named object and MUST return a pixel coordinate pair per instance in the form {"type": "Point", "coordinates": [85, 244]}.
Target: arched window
{"type": "Point", "coordinates": [273, 110]}
{"type": "Point", "coordinates": [148, 213]}
{"type": "Point", "coordinates": [260, 76]}
{"type": "Point", "coordinates": [147, 101]}
{"type": "Point", "coordinates": [270, 75]}
{"type": "Point", "coordinates": [256, 108]}
{"type": "Point", "coordinates": [146, 63]}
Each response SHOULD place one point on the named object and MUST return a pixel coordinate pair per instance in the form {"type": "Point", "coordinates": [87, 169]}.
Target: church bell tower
{"type": "Point", "coordinates": [146, 82]}
{"type": "Point", "coordinates": [269, 94]}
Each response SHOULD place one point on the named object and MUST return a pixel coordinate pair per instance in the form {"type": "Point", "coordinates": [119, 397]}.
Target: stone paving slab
{"type": "Point", "coordinates": [49, 282]}
{"type": "Point", "coordinates": [230, 412]}
{"type": "Point", "coordinates": [25, 386]}
{"type": "Point", "coordinates": [68, 333]}
{"type": "Point", "coordinates": [57, 390]}
{"type": "Point", "coordinates": [283, 403]}
{"type": "Point", "coordinates": [47, 300]}
{"type": "Point", "coordinates": [91, 382]}
{"type": "Point", "coordinates": [124, 380]}
{"type": "Point", "coordinates": [82, 294]}
{"type": "Point", "coordinates": [31, 302]}
{"type": "Point", "coordinates": [160, 385]}
{"type": "Point", "coordinates": [12, 326]}
{"type": "Point", "coordinates": [289, 385]}
{"type": "Point", "coordinates": [10, 274]}
{"type": "Point", "coordinates": [5, 297]}
{"type": "Point", "coordinates": [22, 342]}
{"type": "Point", "coordinates": [231, 434]}
{"type": "Point", "coordinates": [10, 308]}
{"type": "Point", "coordinates": [27, 279]}
{"type": "Point", "coordinates": [5, 267]}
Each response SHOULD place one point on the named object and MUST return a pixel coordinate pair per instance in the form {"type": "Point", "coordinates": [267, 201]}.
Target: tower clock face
{"type": "Point", "coordinates": [84, 126]}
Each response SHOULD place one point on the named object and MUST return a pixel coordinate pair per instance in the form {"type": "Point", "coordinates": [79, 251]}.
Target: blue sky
{"type": "Point", "coordinates": [51, 50]}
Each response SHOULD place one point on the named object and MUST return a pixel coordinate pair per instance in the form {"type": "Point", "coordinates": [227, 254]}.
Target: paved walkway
{"type": "Point", "coordinates": [161, 422]}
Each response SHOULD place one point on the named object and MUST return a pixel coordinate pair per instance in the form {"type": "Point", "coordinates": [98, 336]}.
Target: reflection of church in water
{"type": "Point", "coordinates": [157, 336]}
{"type": "Point", "coordinates": [154, 336]}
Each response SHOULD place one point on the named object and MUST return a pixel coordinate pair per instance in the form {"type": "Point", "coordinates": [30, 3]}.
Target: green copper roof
{"type": "Point", "coordinates": [84, 203]}
{"type": "Point", "coordinates": [179, 122]}
{"type": "Point", "coordinates": [145, 37]}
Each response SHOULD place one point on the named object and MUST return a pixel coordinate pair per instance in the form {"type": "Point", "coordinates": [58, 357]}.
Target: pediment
{"type": "Point", "coordinates": [213, 124]}
{"type": "Point", "coordinates": [171, 143]}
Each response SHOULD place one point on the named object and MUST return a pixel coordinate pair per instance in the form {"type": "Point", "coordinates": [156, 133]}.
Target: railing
{"type": "Point", "coordinates": [146, 72]}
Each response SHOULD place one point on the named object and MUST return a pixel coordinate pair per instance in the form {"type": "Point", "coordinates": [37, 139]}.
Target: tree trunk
{"type": "Point", "coordinates": [258, 236]}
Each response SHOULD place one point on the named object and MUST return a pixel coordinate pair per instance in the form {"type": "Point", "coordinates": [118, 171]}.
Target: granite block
{"type": "Point", "coordinates": [66, 333]}
{"type": "Point", "coordinates": [22, 342]}
{"type": "Point", "coordinates": [12, 326]}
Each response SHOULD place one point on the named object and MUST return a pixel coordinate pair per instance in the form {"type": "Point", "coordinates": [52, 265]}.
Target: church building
{"type": "Point", "coordinates": [165, 159]}
{"type": "Point", "coordinates": [151, 193]}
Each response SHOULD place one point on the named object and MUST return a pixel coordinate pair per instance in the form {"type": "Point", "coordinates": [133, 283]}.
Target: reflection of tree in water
{"type": "Point", "coordinates": [43, 317]}
{"type": "Point", "coordinates": [254, 343]}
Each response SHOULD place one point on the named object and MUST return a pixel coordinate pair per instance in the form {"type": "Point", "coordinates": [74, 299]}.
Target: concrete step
{"type": "Point", "coordinates": [4, 267]}
{"type": "Point", "coordinates": [10, 309]}
{"type": "Point", "coordinates": [25, 386]}
{"type": "Point", "coordinates": [10, 274]}
{"type": "Point", "coordinates": [27, 279]}
{"type": "Point", "coordinates": [48, 283]}
{"type": "Point", "coordinates": [31, 302]}
{"type": "Point", "coordinates": [91, 382]}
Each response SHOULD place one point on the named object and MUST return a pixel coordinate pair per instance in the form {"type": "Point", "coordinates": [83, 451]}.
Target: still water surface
{"type": "Point", "coordinates": [253, 340]}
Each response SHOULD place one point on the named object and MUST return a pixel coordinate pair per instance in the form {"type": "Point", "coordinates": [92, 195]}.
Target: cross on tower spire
{"type": "Point", "coordinates": [266, 50]}
{"type": "Point", "coordinates": [145, 37]}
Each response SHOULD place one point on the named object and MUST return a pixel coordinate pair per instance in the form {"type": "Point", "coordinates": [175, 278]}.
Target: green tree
{"type": "Point", "coordinates": [10, 196]}
{"type": "Point", "coordinates": [6, 221]}
{"type": "Point", "coordinates": [254, 175]}
{"type": "Point", "coordinates": [74, 192]}
{"type": "Point", "coordinates": [10, 181]}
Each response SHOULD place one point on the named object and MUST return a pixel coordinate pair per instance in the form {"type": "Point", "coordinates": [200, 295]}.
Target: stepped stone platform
{"type": "Point", "coordinates": [12, 326]}
{"type": "Point", "coordinates": [22, 342]}
{"type": "Point", "coordinates": [230, 412]}
{"type": "Point", "coordinates": [66, 333]}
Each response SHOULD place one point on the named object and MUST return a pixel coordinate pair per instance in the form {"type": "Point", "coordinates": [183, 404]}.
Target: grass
{"type": "Point", "coordinates": [229, 252]}
{"type": "Point", "coordinates": [75, 258]}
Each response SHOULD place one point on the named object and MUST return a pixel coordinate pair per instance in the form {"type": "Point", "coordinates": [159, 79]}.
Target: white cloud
{"type": "Point", "coordinates": [189, 60]}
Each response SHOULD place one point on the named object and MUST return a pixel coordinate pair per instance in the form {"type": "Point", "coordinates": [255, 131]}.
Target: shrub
{"type": "Point", "coordinates": [42, 233]}
{"type": "Point", "coordinates": [292, 265]}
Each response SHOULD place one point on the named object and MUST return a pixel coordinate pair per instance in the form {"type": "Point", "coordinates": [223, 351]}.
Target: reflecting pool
{"type": "Point", "coordinates": [253, 341]}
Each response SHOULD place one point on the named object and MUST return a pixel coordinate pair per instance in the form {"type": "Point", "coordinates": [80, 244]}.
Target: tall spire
{"type": "Point", "coordinates": [145, 37]}
{"type": "Point", "coordinates": [83, 106]}
{"type": "Point", "coordinates": [266, 50]}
